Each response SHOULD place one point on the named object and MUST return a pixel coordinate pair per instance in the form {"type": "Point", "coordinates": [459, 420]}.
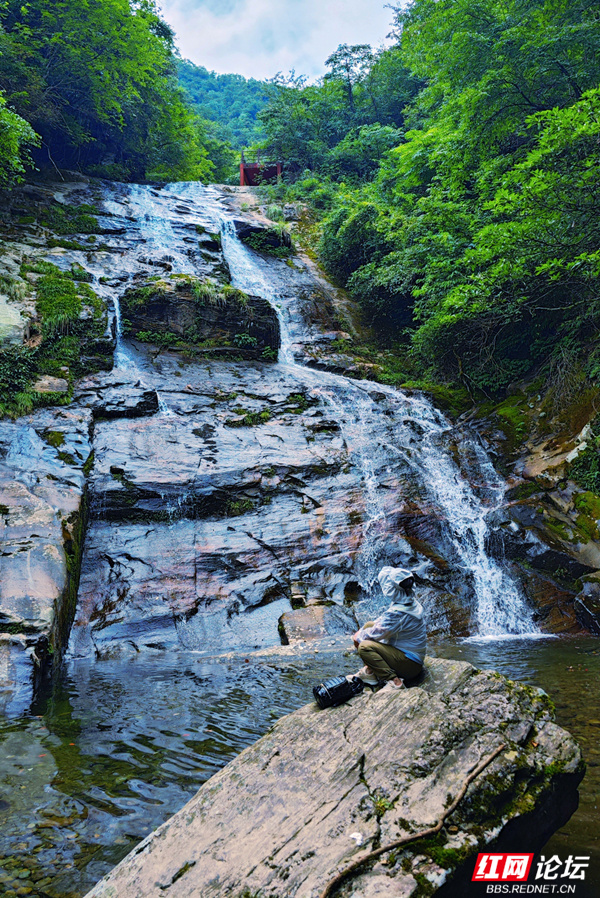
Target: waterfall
{"type": "Point", "coordinates": [385, 429]}
{"type": "Point", "coordinates": [417, 437]}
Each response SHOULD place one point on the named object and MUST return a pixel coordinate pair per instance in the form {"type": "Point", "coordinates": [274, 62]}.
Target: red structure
{"type": "Point", "coordinates": [255, 173]}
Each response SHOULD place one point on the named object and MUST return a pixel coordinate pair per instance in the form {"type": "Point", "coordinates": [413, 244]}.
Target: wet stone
{"type": "Point", "coordinates": [121, 402]}
{"type": "Point", "coordinates": [316, 622]}
{"type": "Point", "coordinates": [48, 384]}
{"type": "Point", "coordinates": [42, 482]}
{"type": "Point", "coordinates": [587, 607]}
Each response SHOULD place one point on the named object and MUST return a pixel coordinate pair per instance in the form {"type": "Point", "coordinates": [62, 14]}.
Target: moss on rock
{"type": "Point", "coordinates": [202, 316]}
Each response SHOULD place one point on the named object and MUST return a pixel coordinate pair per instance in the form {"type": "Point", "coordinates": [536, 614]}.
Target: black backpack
{"type": "Point", "coordinates": [336, 691]}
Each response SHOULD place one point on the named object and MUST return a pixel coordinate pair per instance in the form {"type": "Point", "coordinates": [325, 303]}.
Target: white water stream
{"type": "Point", "coordinates": [382, 426]}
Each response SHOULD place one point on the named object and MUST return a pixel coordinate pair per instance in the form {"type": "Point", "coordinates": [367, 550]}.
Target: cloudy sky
{"type": "Point", "coordinates": [258, 38]}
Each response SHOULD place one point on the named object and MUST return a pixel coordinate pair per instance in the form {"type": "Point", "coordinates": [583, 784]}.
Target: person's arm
{"type": "Point", "coordinates": [379, 630]}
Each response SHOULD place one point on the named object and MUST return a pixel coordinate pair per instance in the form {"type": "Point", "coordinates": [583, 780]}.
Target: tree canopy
{"type": "Point", "coordinates": [344, 125]}
{"type": "Point", "coordinates": [97, 81]}
{"type": "Point", "coordinates": [231, 101]}
{"type": "Point", "coordinates": [459, 172]}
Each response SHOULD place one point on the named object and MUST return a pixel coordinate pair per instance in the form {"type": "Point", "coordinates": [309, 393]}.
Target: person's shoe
{"type": "Point", "coordinates": [390, 686]}
{"type": "Point", "coordinates": [366, 675]}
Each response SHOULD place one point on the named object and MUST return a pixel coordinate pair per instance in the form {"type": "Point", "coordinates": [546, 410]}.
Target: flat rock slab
{"type": "Point", "coordinates": [290, 811]}
{"type": "Point", "coordinates": [316, 622]}
{"type": "Point", "coordinates": [198, 526]}
{"type": "Point", "coordinates": [48, 384]}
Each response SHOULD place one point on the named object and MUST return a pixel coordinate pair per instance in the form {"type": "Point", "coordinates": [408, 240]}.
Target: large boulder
{"type": "Point", "coordinates": [13, 327]}
{"type": "Point", "coordinates": [315, 622]}
{"type": "Point", "coordinates": [324, 787]}
{"type": "Point", "coordinates": [213, 318]}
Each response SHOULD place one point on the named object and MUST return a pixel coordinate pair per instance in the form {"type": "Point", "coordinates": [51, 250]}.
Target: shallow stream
{"type": "Point", "coordinates": [92, 770]}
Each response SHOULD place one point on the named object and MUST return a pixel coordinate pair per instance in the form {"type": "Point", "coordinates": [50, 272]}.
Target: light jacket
{"type": "Point", "coordinates": [403, 629]}
{"type": "Point", "coordinates": [402, 625]}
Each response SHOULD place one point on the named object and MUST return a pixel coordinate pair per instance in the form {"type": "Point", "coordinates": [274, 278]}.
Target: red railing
{"type": "Point", "coordinates": [259, 172]}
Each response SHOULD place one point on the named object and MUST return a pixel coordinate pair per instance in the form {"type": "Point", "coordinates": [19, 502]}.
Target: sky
{"type": "Point", "coordinates": [258, 38]}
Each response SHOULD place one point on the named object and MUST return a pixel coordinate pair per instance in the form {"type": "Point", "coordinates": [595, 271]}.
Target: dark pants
{"type": "Point", "coordinates": [386, 661]}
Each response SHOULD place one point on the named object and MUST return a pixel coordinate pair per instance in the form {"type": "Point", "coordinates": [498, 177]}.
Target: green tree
{"type": "Point", "coordinates": [343, 126]}
{"type": "Point", "coordinates": [97, 81]}
{"type": "Point", "coordinates": [484, 212]}
{"type": "Point", "coordinates": [349, 64]}
{"type": "Point", "coordinates": [533, 271]}
{"type": "Point", "coordinates": [16, 136]}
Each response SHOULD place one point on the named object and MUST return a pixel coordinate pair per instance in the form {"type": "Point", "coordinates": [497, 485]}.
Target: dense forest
{"type": "Point", "coordinates": [231, 102]}
{"type": "Point", "coordinates": [94, 86]}
{"type": "Point", "coordinates": [455, 175]}
{"type": "Point", "coordinates": [457, 180]}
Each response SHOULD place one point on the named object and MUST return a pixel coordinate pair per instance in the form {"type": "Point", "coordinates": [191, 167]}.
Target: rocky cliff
{"type": "Point", "coordinates": [205, 316]}
{"type": "Point", "coordinates": [229, 498]}
{"type": "Point", "coordinates": [170, 440]}
{"type": "Point", "coordinates": [43, 462]}
{"type": "Point", "coordinates": [324, 788]}
{"type": "Point", "coordinates": [545, 437]}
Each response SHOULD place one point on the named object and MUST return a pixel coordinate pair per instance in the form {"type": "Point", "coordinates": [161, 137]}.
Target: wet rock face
{"type": "Point", "coordinates": [181, 547]}
{"type": "Point", "coordinates": [315, 622]}
{"type": "Point", "coordinates": [587, 605]}
{"type": "Point", "coordinates": [541, 535]}
{"type": "Point", "coordinates": [121, 401]}
{"type": "Point", "coordinates": [226, 497]}
{"type": "Point", "coordinates": [276, 822]}
{"type": "Point", "coordinates": [42, 484]}
{"type": "Point", "coordinates": [549, 524]}
{"type": "Point", "coordinates": [212, 318]}
{"type": "Point", "coordinates": [203, 518]}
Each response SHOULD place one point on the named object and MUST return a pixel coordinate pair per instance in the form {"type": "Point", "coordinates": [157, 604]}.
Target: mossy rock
{"type": "Point", "coordinates": [588, 504]}
{"type": "Point", "coordinates": [515, 420]}
{"type": "Point", "coordinates": [268, 241]}
{"type": "Point", "coordinates": [201, 316]}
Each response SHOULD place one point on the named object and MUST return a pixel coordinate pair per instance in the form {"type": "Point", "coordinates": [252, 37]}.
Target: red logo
{"type": "Point", "coordinates": [502, 868]}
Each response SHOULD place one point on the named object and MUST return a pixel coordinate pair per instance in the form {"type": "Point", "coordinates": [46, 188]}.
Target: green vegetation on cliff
{"type": "Point", "coordinates": [69, 337]}
{"type": "Point", "coordinates": [456, 179]}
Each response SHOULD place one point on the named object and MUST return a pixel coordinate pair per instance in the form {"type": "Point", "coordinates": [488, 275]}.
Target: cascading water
{"type": "Point", "coordinates": [501, 609]}
{"type": "Point", "coordinates": [381, 425]}
{"type": "Point", "coordinates": [416, 436]}
{"type": "Point", "coordinates": [149, 210]}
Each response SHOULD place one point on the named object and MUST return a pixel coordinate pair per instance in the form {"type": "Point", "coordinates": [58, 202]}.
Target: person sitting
{"type": "Point", "coordinates": [393, 646]}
